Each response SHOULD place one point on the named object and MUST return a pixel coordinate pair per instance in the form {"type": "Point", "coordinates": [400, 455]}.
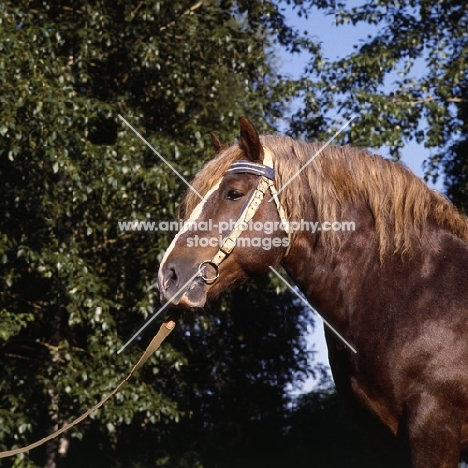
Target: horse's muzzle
{"type": "Point", "coordinates": [182, 294]}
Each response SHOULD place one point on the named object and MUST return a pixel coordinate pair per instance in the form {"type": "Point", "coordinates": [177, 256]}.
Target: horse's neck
{"type": "Point", "coordinates": [354, 280]}
{"type": "Point", "coordinates": [328, 280]}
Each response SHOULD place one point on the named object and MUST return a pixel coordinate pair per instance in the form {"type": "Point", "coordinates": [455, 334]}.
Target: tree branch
{"type": "Point", "coordinates": [428, 99]}
{"type": "Point", "coordinates": [188, 12]}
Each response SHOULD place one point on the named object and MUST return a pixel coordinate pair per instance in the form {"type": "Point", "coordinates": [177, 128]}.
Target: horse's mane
{"type": "Point", "coordinates": [401, 205]}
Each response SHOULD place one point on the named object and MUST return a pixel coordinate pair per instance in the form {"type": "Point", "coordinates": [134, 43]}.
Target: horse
{"type": "Point", "coordinates": [394, 288]}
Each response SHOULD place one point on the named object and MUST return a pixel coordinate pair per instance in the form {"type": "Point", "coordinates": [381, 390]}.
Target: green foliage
{"type": "Point", "coordinates": [12, 323]}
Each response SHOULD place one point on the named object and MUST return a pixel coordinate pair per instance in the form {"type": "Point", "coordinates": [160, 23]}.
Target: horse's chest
{"type": "Point", "coordinates": [365, 387]}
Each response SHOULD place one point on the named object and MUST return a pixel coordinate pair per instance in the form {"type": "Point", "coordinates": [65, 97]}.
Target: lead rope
{"type": "Point", "coordinates": [165, 329]}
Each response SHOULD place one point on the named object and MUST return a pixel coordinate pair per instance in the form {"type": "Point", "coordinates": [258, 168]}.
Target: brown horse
{"type": "Point", "coordinates": [395, 287]}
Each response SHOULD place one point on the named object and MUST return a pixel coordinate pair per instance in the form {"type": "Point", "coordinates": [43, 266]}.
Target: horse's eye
{"type": "Point", "coordinates": [233, 195]}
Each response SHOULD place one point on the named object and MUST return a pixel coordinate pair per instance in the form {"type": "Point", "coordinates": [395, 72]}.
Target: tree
{"type": "Point", "coordinates": [75, 287]}
{"type": "Point", "coordinates": [455, 166]}
{"type": "Point", "coordinates": [377, 82]}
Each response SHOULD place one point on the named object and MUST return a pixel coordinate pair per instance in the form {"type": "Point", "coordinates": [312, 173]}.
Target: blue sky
{"type": "Point", "coordinates": [338, 41]}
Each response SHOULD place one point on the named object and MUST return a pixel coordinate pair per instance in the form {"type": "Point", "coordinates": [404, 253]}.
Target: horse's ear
{"type": "Point", "coordinates": [250, 141]}
{"type": "Point", "coordinates": [218, 146]}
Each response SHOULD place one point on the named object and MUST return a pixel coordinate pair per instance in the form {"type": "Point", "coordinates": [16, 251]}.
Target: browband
{"type": "Point", "coordinates": [252, 168]}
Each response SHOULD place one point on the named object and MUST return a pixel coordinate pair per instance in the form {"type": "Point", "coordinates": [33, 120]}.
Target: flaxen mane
{"type": "Point", "coordinates": [401, 204]}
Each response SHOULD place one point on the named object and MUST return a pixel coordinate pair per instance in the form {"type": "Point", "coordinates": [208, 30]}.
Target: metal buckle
{"type": "Point", "coordinates": [201, 271]}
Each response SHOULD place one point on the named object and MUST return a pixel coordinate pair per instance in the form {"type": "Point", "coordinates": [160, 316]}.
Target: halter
{"type": "Point", "coordinates": [250, 207]}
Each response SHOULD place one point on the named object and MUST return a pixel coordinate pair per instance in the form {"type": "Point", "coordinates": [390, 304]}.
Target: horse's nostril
{"type": "Point", "coordinates": [171, 278]}
{"type": "Point", "coordinates": [172, 274]}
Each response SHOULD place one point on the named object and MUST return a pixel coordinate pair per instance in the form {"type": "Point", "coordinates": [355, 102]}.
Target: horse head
{"type": "Point", "coordinates": [234, 225]}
